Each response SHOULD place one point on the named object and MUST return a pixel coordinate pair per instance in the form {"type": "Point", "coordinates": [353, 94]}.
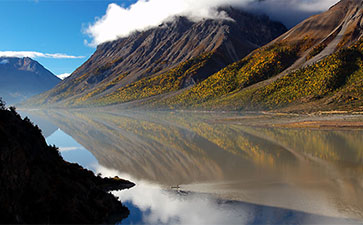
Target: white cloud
{"type": "Point", "coordinates": [63, 75]}
{"type": "Point", "coordinates": [120, 22]}
{"type": "Point", "coordinates": [68, 149]}
{"type": "Point", "coordinates": [291, 12]}
{"type": "Point", "coordinates": [311, 5]}
{"type": "Point", "coordinates": [4, 61]}
{"type": "Point", "coordinates": [32, 54]}
{"type": "Point", "coordinates": [165, 206]}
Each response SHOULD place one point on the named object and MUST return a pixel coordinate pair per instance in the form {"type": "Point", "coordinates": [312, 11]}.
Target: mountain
{"type": "Point", "coordinates": [317, 65]}
{"type": "Point", "coordinates": [21, 78]}
{"type": "Point", "coordinates": [167, 58]}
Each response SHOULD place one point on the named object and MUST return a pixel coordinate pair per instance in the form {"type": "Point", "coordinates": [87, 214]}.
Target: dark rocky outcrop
{"type": "Point", "coordinates": [38, 186]}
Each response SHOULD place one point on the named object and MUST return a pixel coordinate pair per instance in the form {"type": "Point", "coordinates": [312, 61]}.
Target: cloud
{"type": "Point", "coordinates": [163, 206]}
{"type": "Point", "coordinates": [68, 149]}
{"type": "Point", "coordinates": [120, 22]}
{"type": "Point", "coordinates": [32, 54]}
{"type": "Point", "coordinates": [290, 12]}
{"type": "Point", "coordinates": [63, 75]}
{"type": "Point", "coordinates": [4, 61]}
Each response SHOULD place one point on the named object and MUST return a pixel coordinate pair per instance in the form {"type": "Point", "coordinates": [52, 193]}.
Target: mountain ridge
{"type": "Point", "coordinates": [157, 51]}
{"type": "Point", "coordinates": [21, 78]}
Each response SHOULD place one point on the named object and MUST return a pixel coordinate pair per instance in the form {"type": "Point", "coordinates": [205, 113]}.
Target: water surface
{"type": "Point", "coordinates": [190, 168]}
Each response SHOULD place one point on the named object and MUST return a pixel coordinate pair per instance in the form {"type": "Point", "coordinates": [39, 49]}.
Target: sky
{"type": "Point", "coordinates": [51, 26]}
{"type": "Point", "coordinates": [63, 34]}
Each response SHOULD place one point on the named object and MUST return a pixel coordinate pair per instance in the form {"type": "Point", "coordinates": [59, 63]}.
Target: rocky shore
{"type": "Point", "coordinates": [38, 186]}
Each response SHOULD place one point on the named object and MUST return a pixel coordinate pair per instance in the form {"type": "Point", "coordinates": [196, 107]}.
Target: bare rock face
{"type": "Point", "coordinates": [340, 26]}
{"type": "Point", "coordinates": [38, 187]}
{"type": "Point", "coordinates": [21, 78]}
{"type": "Point", "coordinates": [157, 50]}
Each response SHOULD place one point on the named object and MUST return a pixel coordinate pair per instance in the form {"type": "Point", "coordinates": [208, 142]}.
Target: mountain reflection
{"type": "Point", "coordinates": [299, 169]}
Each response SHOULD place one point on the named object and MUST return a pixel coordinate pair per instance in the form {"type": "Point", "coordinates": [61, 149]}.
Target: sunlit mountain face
{"type": "Point", "coordinates": [303, 170]}
{"type": "Point", "coordinates": [158, 60]}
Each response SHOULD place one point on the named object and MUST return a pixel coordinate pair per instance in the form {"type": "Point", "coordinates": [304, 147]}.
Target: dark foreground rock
{"type": "Point", "coordinates": [38, 186]}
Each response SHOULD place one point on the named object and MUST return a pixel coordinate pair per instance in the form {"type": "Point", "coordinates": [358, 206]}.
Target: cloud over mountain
{"type": "Point", "coordinates": [120, 22]}
{"type": "Point", "coordinates": [63, 75]}
{"type": "Point", "coordinates": [4, 61]}
{"type": "Point", "coordinates": [290, 12]}
{"type": "Point", "coordinates": [32, 54]}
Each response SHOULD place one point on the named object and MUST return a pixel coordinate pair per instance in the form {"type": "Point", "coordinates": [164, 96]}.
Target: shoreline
{"type": "Point", "coordinates": [269, 119]}
{"type": "Point", "coordinates": [321, 121]}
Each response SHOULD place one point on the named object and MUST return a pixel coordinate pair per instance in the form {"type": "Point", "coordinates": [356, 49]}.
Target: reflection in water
{"type": "Point", "coordinates": [71, 151]}
{"type": "Point", "coordinates": [311, 171]}
{"type": "Point", "coordinates": [156, 205]}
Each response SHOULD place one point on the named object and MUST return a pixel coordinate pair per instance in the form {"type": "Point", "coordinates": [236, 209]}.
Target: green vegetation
{"type": "Point", "coordinates": [260, 65]}
{"type": "Point", "coordinates": [99, 89]}
{"type": "Point", "coordinates": [169, 81]}
{"type": "Point", "coordinates": [316, 81]}
{"type": "Point", "coordinates": [316, 50]}
{"type": "Point", "coordinates": [337, 80]}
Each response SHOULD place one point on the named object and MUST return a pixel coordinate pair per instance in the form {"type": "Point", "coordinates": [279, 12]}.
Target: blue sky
{"type": "Point", "coordinates": [50, 26]}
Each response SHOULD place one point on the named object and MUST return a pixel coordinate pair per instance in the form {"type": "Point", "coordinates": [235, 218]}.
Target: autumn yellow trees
{"type": "Point", "coordinates": [260, 65]}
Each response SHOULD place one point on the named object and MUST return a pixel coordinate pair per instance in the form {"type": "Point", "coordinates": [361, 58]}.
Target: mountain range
{"type": "Point", "coordinates": [21, 78]}
{"type": "Point", "coordinates": [174, 55]}
{"type": "Point", "coordinates": [237, 64]}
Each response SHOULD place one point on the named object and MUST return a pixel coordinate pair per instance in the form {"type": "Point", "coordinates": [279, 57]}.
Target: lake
{"type": "Point", "coordinates": [194, 168]}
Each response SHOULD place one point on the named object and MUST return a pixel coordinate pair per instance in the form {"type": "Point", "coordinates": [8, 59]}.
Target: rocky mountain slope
{"type": "Point", "coordinates": [39, 187]}
{"type": "Point", "coordinates": [316, 65]}
{"type": "Point", "coordinates": [160, 60]}
{"type": "Point", "coordinates": [21, 78]}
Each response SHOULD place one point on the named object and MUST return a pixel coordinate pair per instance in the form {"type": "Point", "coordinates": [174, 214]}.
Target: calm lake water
{"type": "Point", "coordinates": [191, 169]}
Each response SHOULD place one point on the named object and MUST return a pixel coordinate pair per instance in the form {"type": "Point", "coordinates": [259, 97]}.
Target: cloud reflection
{"type": "Point", "coordinates": [163, 205]}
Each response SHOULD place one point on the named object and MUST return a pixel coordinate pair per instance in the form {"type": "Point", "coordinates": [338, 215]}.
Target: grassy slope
{"type": "Point", "coordinates": [169, 81]}
{"type": "Point", "coordinates": [172, 80]}
{"type": "Point", "coordinates": [336, 81]}
{"type": "Point", "coordinates": [260, 65]}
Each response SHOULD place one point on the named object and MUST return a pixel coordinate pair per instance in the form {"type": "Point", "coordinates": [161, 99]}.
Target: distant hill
{"type": "Point", "coordinates": [161, 60]}
{"type": "Point", "coordinates": [21, 78]}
